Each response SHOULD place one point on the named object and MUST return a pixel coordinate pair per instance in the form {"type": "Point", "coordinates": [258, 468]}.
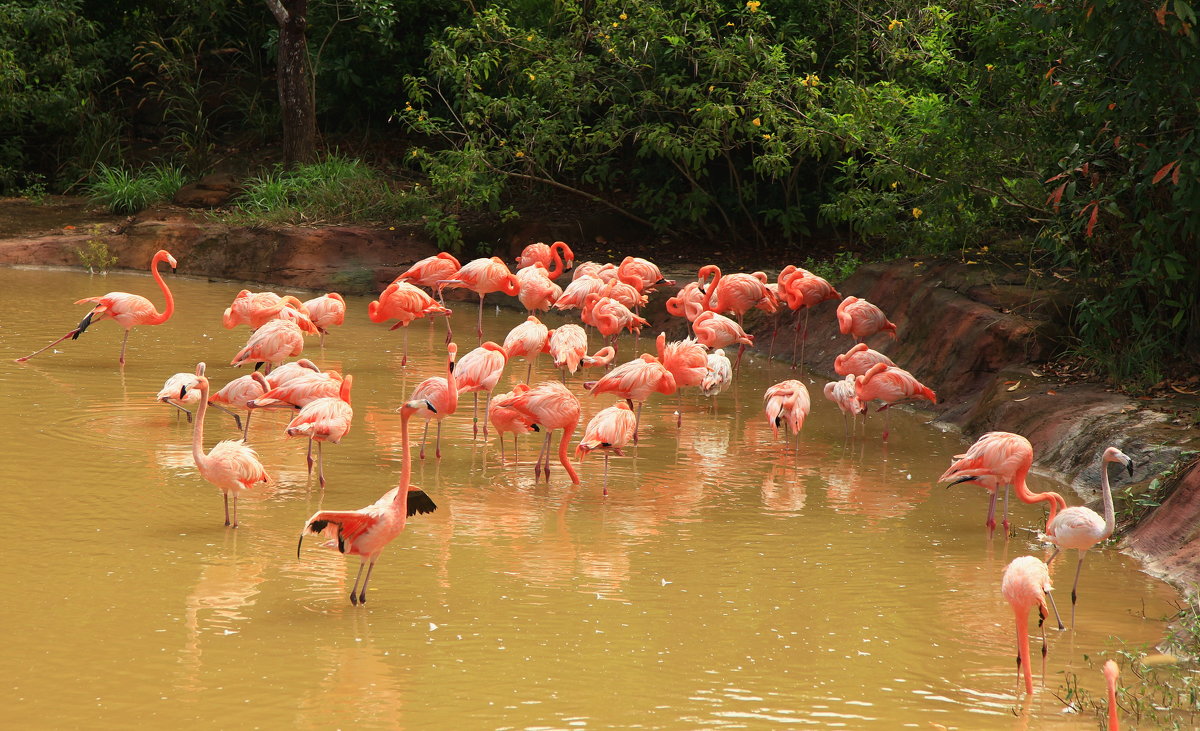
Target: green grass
{"type": "Point", "coordinates": [123, 191]}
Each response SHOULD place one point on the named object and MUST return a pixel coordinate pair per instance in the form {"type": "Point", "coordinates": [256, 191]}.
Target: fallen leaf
{"type": "Point", "coordinates": [1015, 386]}
{"type": "Point", "coordinates": [1019, 400]}
{"type": "Point", "coordinates": [1050, 393]}
{"type": "Point", "coordinates": [1035, 374]}
{"type": "Point", "coordinates": [1184, 391]}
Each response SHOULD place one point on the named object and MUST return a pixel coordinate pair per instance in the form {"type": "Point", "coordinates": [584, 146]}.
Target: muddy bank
{"type": "Point", "coordinates": [979, 335]}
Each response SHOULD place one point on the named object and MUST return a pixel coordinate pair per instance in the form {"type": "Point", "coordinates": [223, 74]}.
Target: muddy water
{"type": "Point", "coordinates": [728, 580]}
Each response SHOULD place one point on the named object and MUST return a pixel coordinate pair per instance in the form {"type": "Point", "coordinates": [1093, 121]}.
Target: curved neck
{"type": "Point", "coordinates": [198, 428]}
{"type": "Point", "coordinates": [563, 457]}
{"type": "Point", "coordinates": [401, 499]}
{"type": "Point", "coordinates": [1023, 493]}
{"type": "Point", "coordinates": [1114, 723]}
{"type": "Point", "coordinates": [160, 318]}
{"type": "Point", "coordinates": [711, 295]}
{"type": "Point", "coordinates": [556, 262]}
{"type": "Point", "coordinates": [1110, 518]}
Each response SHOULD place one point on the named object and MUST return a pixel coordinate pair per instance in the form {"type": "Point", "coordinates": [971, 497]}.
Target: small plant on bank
{"type": "Point", "coordinates": [96, 256]}
{"type": "Point", "coordinates": [837, 269]}
{"type": "Point", "coordinates": [122, 191]}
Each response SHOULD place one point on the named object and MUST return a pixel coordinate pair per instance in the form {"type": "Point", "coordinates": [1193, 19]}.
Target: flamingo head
{"type": "Point", "coordinates": [1112, 454]}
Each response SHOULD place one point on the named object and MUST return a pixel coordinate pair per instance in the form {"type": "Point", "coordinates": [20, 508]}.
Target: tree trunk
{"type": "Point", "coordinates": [296, 103]}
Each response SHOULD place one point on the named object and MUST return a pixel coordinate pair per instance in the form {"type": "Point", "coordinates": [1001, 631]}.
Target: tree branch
{"type": "Point", "coordinates": [583, 194]}
{"type": "Point", "coordinates": [277, 9]}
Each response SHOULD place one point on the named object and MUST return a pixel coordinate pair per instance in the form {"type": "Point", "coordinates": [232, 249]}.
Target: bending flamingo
{"type": "Point", "coordinates": [688, 303]}
{"type": "Point", "coordinates": [1111, 672]}
{"type": "Point", "coordinates": [787, 402]}
{"type": "Point", "coordinates": [479, 370]}
{"type": "Point", "coordinates": [858, 360]}
{"type": "Point", "coordinates": [527, 339]}
{"type": "Point", "coordinates": [862, 319]}
{"type": "Point", "coordinates": [845, 396]}
{"type": "Point", "coordinates": [718, 374]}
{"type": "Point", "coordinates": [1025, 585]}
{"type": "Point", "coordinates": [367, 531]}
{"type": "Point", "coordinates": [404, 302]}
{"type": "Point", "coordinates": [687, 361]}
{"type": "Point", "coordinates": [127, 310]}
{"type": "Point", "coordinates": [567, 346]}
{"type": "Point", "coordinates": [324, 420]}
{"type": "Point", "coordinates": [1082, 528]}
{"type": "Point", "coordinates": [715, 331]}
{"type": "Point", "coordinates": [239, 393]}
{"type": "Point", "coordinates": [556, 258]}
{"type": "Point", "coordinates": [272, 343]}
{"type": "Point", "coordinates": [287, 371]}
{"type": "Point", "coordinates": [602, 358]}
{"type": "Point", "coordinates": [1001, 458]}
{"type": "Point", "coordinates": [549, 406]}
{"type": "Point", "coordinates": [508, 420]}
{"type": "Point", "coordinates": [890, 385]}
{"type": "Point", "coordinates": [230, 465]}
{"type": "Point", "coordinates": [635, 381]}
{"type": "Point", "coordinates": [441, 394]}
{"type": "Point", "coordinates": [483, 276]}
{"type": "Point", "coordinates": [256, 309]}
{"type": "Point", "coordinates": [538, 291]}
{"type": "Point", "coordinates": [326, 311]}
{"type": "Point", "coordinates": [430, 272]}
{"type": "Point", "coordinates": [803, 290]}
{"type": "Point", "coordinates": [737, 293]}
{"type": "Point", "coordinates": [643, 275]}
{"type": "Point", "coordinates": [609, 430]}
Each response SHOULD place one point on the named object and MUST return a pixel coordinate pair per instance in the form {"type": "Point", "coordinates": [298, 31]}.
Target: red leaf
{"type": "Point", "coordinates": [1057, 177]}
{"type": "Point", "coordinates": [1051, 71]}
{"type": "Point", "coordinates": [1092, 219]}
{"type": "Point", "coordinates": [1055, 196]}
{"type": "Point", "coordinates": [1117, 142]}
{"type": "Point", "coordinates": [1162, 172]}
{"type": "Point", "coordinates": [1175, 175]}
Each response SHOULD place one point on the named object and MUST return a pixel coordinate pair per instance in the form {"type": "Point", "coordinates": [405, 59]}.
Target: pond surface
{"type": "Point", "coordinates": [727, 581]}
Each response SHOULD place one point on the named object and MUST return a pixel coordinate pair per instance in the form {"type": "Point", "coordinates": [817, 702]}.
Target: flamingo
{"type": "Point", "coordinates": [300, 391]}
{"type": "Point", "coordinates": [688, 303]}
{"type": "Point", "coordinates": [604, 272]}
{"type": "Point", "coordinates": [602, 358]}
{"type": "Point", "coordinates": [567, 346]}
{"type": "Point", "coordinates": [862, 319]}
{"type": "Point", "coordinates": [787, 402]}
{"type": "Point", "coordinates": [482, 276]}
{"type": "Point", "coordinates": [479, 370]}
{"type": "Point", "coordinates": [288, 371]}
{"type": "Point", "coordinates": [576, 293]}
{"type": "Point", "coordinates": [326, 311]}
{"type": "Point", "coordinates": [643, 275]}
{"type": "Point", "coordinates": [527, 339]}
{"type": "Point", "coordinates": [610, 317]}
{"type": "Point", "coordinates": [737, 293]}
{"type": "Point", "coordinates": [238, 393]}
{"type": "Point", "coordinates": [256, 309]}
{"type": "Point", "coordinates": [715, 331]}
{"type": "Point", "coordinates": [324, 420]}
{"type": "Point", "coordinates": [845, 396]}
{"type": "Point", "coordinates": [508, 420]}
{"type": "Point", "coordinates": [230, 465]}
{"type": "Point", "coordinates": [803, 290]}
{"type": "Point", "coordinates": [635, 381]}
{"type": "Point", "coordinates": [432, 269]}
{"type": "Point", "coordinates": [718, 373]}
{"type": "Point", "coordinates": [404, 302]}
{"type": "Point", "coordinates": [1082, 528]}
{"type": "Point", "coordinates": [367, 531]}
{"type": "Point", "coordinates": [890, 385]}
{"type": "Point", "coordinates": [1000, 458]}
{"type": "Point", "coordinates": [1025, 585]}
{"type": "Point", "coordinates": [441, 394]}
{"type": "Point", "coordinates": [538, 291]}
{"type": "Point", "coordinates": [127, 310]}
{"type": "Point", "coordinates": [176, 384]}
{"type": "Point", "coordinates": [1111, 672]}
{"type": "Point", "coordinates": [624, 293]}
{"type": "Point", "coordinates": [858, 360]}
{"type": "Point", "coordinates": [687, 361]}
{"type": "Point", "coordinates": [549, 406]}
{"type": "Point", "coordinates": [556, 258]}
{"type": "Point", "coordinates": [271, 343]}
{"type": "Point", "coordinates": [609, 430]}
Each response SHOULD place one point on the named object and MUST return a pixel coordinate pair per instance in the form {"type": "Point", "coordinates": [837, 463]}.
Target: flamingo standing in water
{"type": "Point", "coordinates": [428, 272]}
{"type": "Point", "coordinates": [635, 381]}
{"type": "Point", "coordinates": [718, 374]}
{"type": "Point", "coordinates": [510, 421]}
{"type": "Point", "coordinates": [239, 393]}
{"type": "Point", "coordinates": [186, 383]}
{"type": "Point", "coordinates": [230, 465]}
{"type": "Point", "coordinates": [576, 293]}
{"type": "Point", "coordinates": [602, 358]}
{"type": "Point", "coordinates": [715, 331]}
{"type": "Point", "coordinates": [890, 385]}
{"type": "Point", "coordinates": [527, 339]}
{"type": "Point", "coordinates": [862, 319]}
{"type": "Point", "coordinates": [845, 396]}
{"type": "Point", "coordinates": [858, 360]}
{"type": "Point", "coordinates": [324, 420]}
{"type": "Point", "coordinates": [326, 311]}
{"type": "Point", "coordinates": [1082, 528]}
{"type": "Point", "coordinates": [272, 343]}
{"type": "Point", "coordinates": [479, 370]}
{"type": "Point", "coordinates": [556, 258]}
{"type": "Point", "coordinates": [300, 391]}
{"type": "Point", "coordinates": [549, 406]}
{"type": "Point", "coordinates": [127, 310]}
{"type": "Point", "coordinates": [787, 402]}
{"type": "Point", "coordinates": [737, 293]}
{"type": "Point", "coordinates": [803, 290]}
{"type": "Point", "coordinates": [688, 303]}
{"type": "Point", "coordinates": [288, 371]}
{"type": "Point", "coordinates": [567, 346]}
{"type": "Point", "coordinates": [643, 275]}
{"type": "Point", "coordinates": [610, 317]}
{"type": "Point", "coordinates": [256, 309]}
{"type": "Point", "coordinates": [367, 531]}
{"type": "Point", "coordinates": [483, 276]}
{"type": "Point", "coordinates": [538, 291]}
{"type": "Point", "coordinates": [609, 430]}
{"type": "Point", "coordinates": [1000, 458]}
{"type": "Point", "coordinates": [441, 395]}
{"type": "Point", "coordinates": [687, 361]}
{"type": "Point", "coordinates": [404, 302]}
{"type": "Point", "coordinates": [1025, 585]}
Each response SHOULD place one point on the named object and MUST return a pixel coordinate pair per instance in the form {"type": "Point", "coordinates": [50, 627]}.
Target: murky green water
{"type": "Point", "coordinates": [727, 580]}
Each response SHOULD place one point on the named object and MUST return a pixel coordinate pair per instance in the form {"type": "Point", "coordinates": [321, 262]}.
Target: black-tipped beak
{"type": "Point", "coordinates": [298, 544]}
{"type": "Point", "coordinates": [1129, 466]}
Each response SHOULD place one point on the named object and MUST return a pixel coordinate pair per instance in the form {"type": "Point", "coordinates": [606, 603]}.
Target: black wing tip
{"type": "Point", "coordinates": [420, 502]}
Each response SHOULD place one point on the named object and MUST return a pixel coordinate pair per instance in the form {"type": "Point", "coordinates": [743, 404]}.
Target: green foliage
{"type": "Point", "coordinates": [841, 266]}
{"type": "Point", "coordinates": [1161, 697]}
{"type": "Point", "coordinates": [96, 257]}
{"type": "Point", "coordinates": [122, 191]}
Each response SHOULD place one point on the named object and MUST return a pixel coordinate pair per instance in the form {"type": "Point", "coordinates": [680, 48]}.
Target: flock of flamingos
{"type": "Point", "coordinates": [609, 298]}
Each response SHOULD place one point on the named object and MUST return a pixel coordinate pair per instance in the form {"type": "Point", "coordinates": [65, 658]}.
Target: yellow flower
{"type": "Point", "coordinates": [916, 264]}
{"type": "Point", "coordinates": [756, 122]}
{"type": "Point", "coordinates": [532, 77]}
{"type": "Point", "coordinates": [415, 153]}
{"type": "Point", "coordinates": [894, 184]}
{"type": "Point", "coordinates": [895, 24]}
{"type": "Point", "coordinates": [408, 106]}
{"type": "Point", "coordinates": [529, 38]}
{"type": "Point", "coordinates": [766, 137]}
{"type": "Point", "coordinates": [391, 228]}
{"type": "Point", "coordinates": [520, 154]}
{"type": "Point", "coordinates": [503, 143]}
{"type": "Point", "coordinates": [917, 212]}
{"type": "Point", "coordinates": [989, 66]}
{"type": "Point", "coordinates": [711, 87]}
{"type": "Point", "coordinates": [615, 24]}
{"type": "Point", "coordinates": [623, 16]}
{"type": "Point", "coordinates": [753, 5]}
{"type": "Point", "coordinates": [810, 80]}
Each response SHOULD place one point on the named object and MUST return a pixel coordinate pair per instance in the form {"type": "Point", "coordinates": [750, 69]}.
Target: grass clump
{"type": "Point", "coordinates": [123, 191]}
{"type": "Point", "coordinates": [96, 256]}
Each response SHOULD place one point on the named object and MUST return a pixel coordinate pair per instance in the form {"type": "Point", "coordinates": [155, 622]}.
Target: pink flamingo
{"type": "Point", "coordinates": [527, 339]}
{"type": "Point", "coordinates": [862, 319]}
{"type": "Point", "coordinates": [715, 331]}
{"type": "Point", "coordinates": [288, 371]}
{"type": "Point", "coordinates": [324, 420]}
{"type": "Point", "coordinates": [643, 275]}
{"type": "Point", "coordinates": [1111, 672]}
{"type": "Point", "coordinates": [483, 276]}
{"type": "Point", "coordinates": [404, 302]}
{"type": "Point", "coordinates": [626, 294]}
{"type": "Point", "coordinates": [609, 430]}
{"type": "Point", "coordinates": [272, 343]}
{"type": "Point", "coordinates": [602, 358]}
{"type": "Point", "coordinates": [549, 406]}
{"type": "Point", "coordinates": [238, 393]}
{"type": "Point", "coordinates": [538, 292]}
{"type": "Point", "coordinates": [1025, 585]}
{"type": "Point", "coordinates": [230, 465]}
{"type": "Point", "coordinates": [858, 360]}
{"type": "Point", "coordinates": [479, 370]}
{"type": "Point", "coordinates": [367, 531]}
{"type": "Point", "coordinates": [604, 272]}
{"type": "Point", "coordinates": [1001, 458]}
{"type": "Point", "coordinates": [890, 385]}
{"type": "Point", "coordinates": [803, 290]}
{"type": "Point", "coordinates": [176, 384]}
{"type": "Point", "coordinates": [610, 317]}
{"type": "Point", "coordinates": [441, 395]}
{"type": "Point", "coordinates": [737, 293]}
{"type": "Point", "coordinates": [127, 310]}
{"type": "Point", "coordinates": [844, 394]}
{"type": "Point", "coordinates": [787, 402]}
{"type": "Point", "coordinates": [688, 303]}
{"type": "Point", "coordinates": [1082, 528]}
{"type": "Point", "coordinates": [326, 311]}
{"type": "Point", "coordinates": [432, 269]}
{"type": "Point", "coordinates": [567, 346]}
{"type": "Point", "coordinates": [506, 420]}
{"type": "Point", "coordinates": [556, 258]}
{"type": "Point", "coordinates": [577, 292]}
{"type": "Point", "coordinates": [718, 374]}
{"type": "Point", "coordinates": [635, 381]}
{"type": "Point", "coordinates": [687, 360]}
{"type": "Point", "coordinates": [256, 309]}
{"type": "Point", "coordinates": [298, 392]}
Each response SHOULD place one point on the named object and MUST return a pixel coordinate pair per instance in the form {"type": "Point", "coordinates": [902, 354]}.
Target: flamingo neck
{"type": "Point", "coordinates": [169, 309]}
{"type": "Point", "coordinates": [1114, 723]}
{"type": "Point", "coordinates": [710, 296]}
{"type": "Point", "coordinates": [556, 263]}
{"type": "Point", "coordinates": [1026, 496]}
{"type": "Point", "coordinates": [562, 454]}
{"type": "Point", "coordinates": [1110, 518]}
{"type": "Point", "coordinates": [401, 500]}
{"type": "Point", "coordinates": [451, 385]}
{"type": "Point", "coordinates": [1022, 616]}
{"type": "Point", "coordinates": [198, 428]}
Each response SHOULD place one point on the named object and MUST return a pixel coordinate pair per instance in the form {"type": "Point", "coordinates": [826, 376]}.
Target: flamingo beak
{"type": "Point", "coordinates": [298, 544]}
{"type": "Point", "coordinates": [182, 392]}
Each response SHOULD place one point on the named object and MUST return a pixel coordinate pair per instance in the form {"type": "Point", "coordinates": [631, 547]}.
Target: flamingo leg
{"type": "Point", "coordinates": [606, 473]}
{"type": "Point", "coordinates": [189, 414]}
{"type": "Point", "coordinates": [362, 595]}
{"type": "Point", "coordinates": [308, 456]}
{"type": "Point", "coordinates": [637, 421]}
{"type": "Point", "coordinates": [354, 590]}
{"type": "Point", "coordinates": [51, 345]}
{"type": "Point", "coordinates": [124, 342]}
{"type": "Point", "coordinates": [1004, 521]}
{"type": "Point", "coordinates": [991, 516]}
{"type": "Point", "coordinates": [475, 418]}
{"type": "Point", "coordinates": [246, 429]}
{"type": "Point", "coordinates": [437, 444]}
{"type": "Point", "coordinates": [404, 358]}
{"type": "Point", "coordinates": [487, 405]}
{"type": "Point", "coordinates": [235, 502]}
{"type": "Point", "coordinates": [237, 420]}
{"type": "Point", "coordinates": [774, 331]}
{"type": "Point", "coordinates": [502, 446]}
{"type": "Point", "coordinates": [1057, 618]}
{"type": "Point", "coordinates": [544, 454]}
{"type": "Point", "coordinates": [678, 415]}
{"type": "Point", "coordinates": [479, 326]}
{"type": "Point", "coordinates": [424, 434]}
{"type": "Point", "coordinates": [226, 496]}
{"type": "Point", "coordinates": [529, 369]}
{"type": "Point", "coordinates": [321, 464]}
{"type": "Point", "coordinates": [803, 340]}
{"type": "Point", "coordinates": [1075, 586]}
